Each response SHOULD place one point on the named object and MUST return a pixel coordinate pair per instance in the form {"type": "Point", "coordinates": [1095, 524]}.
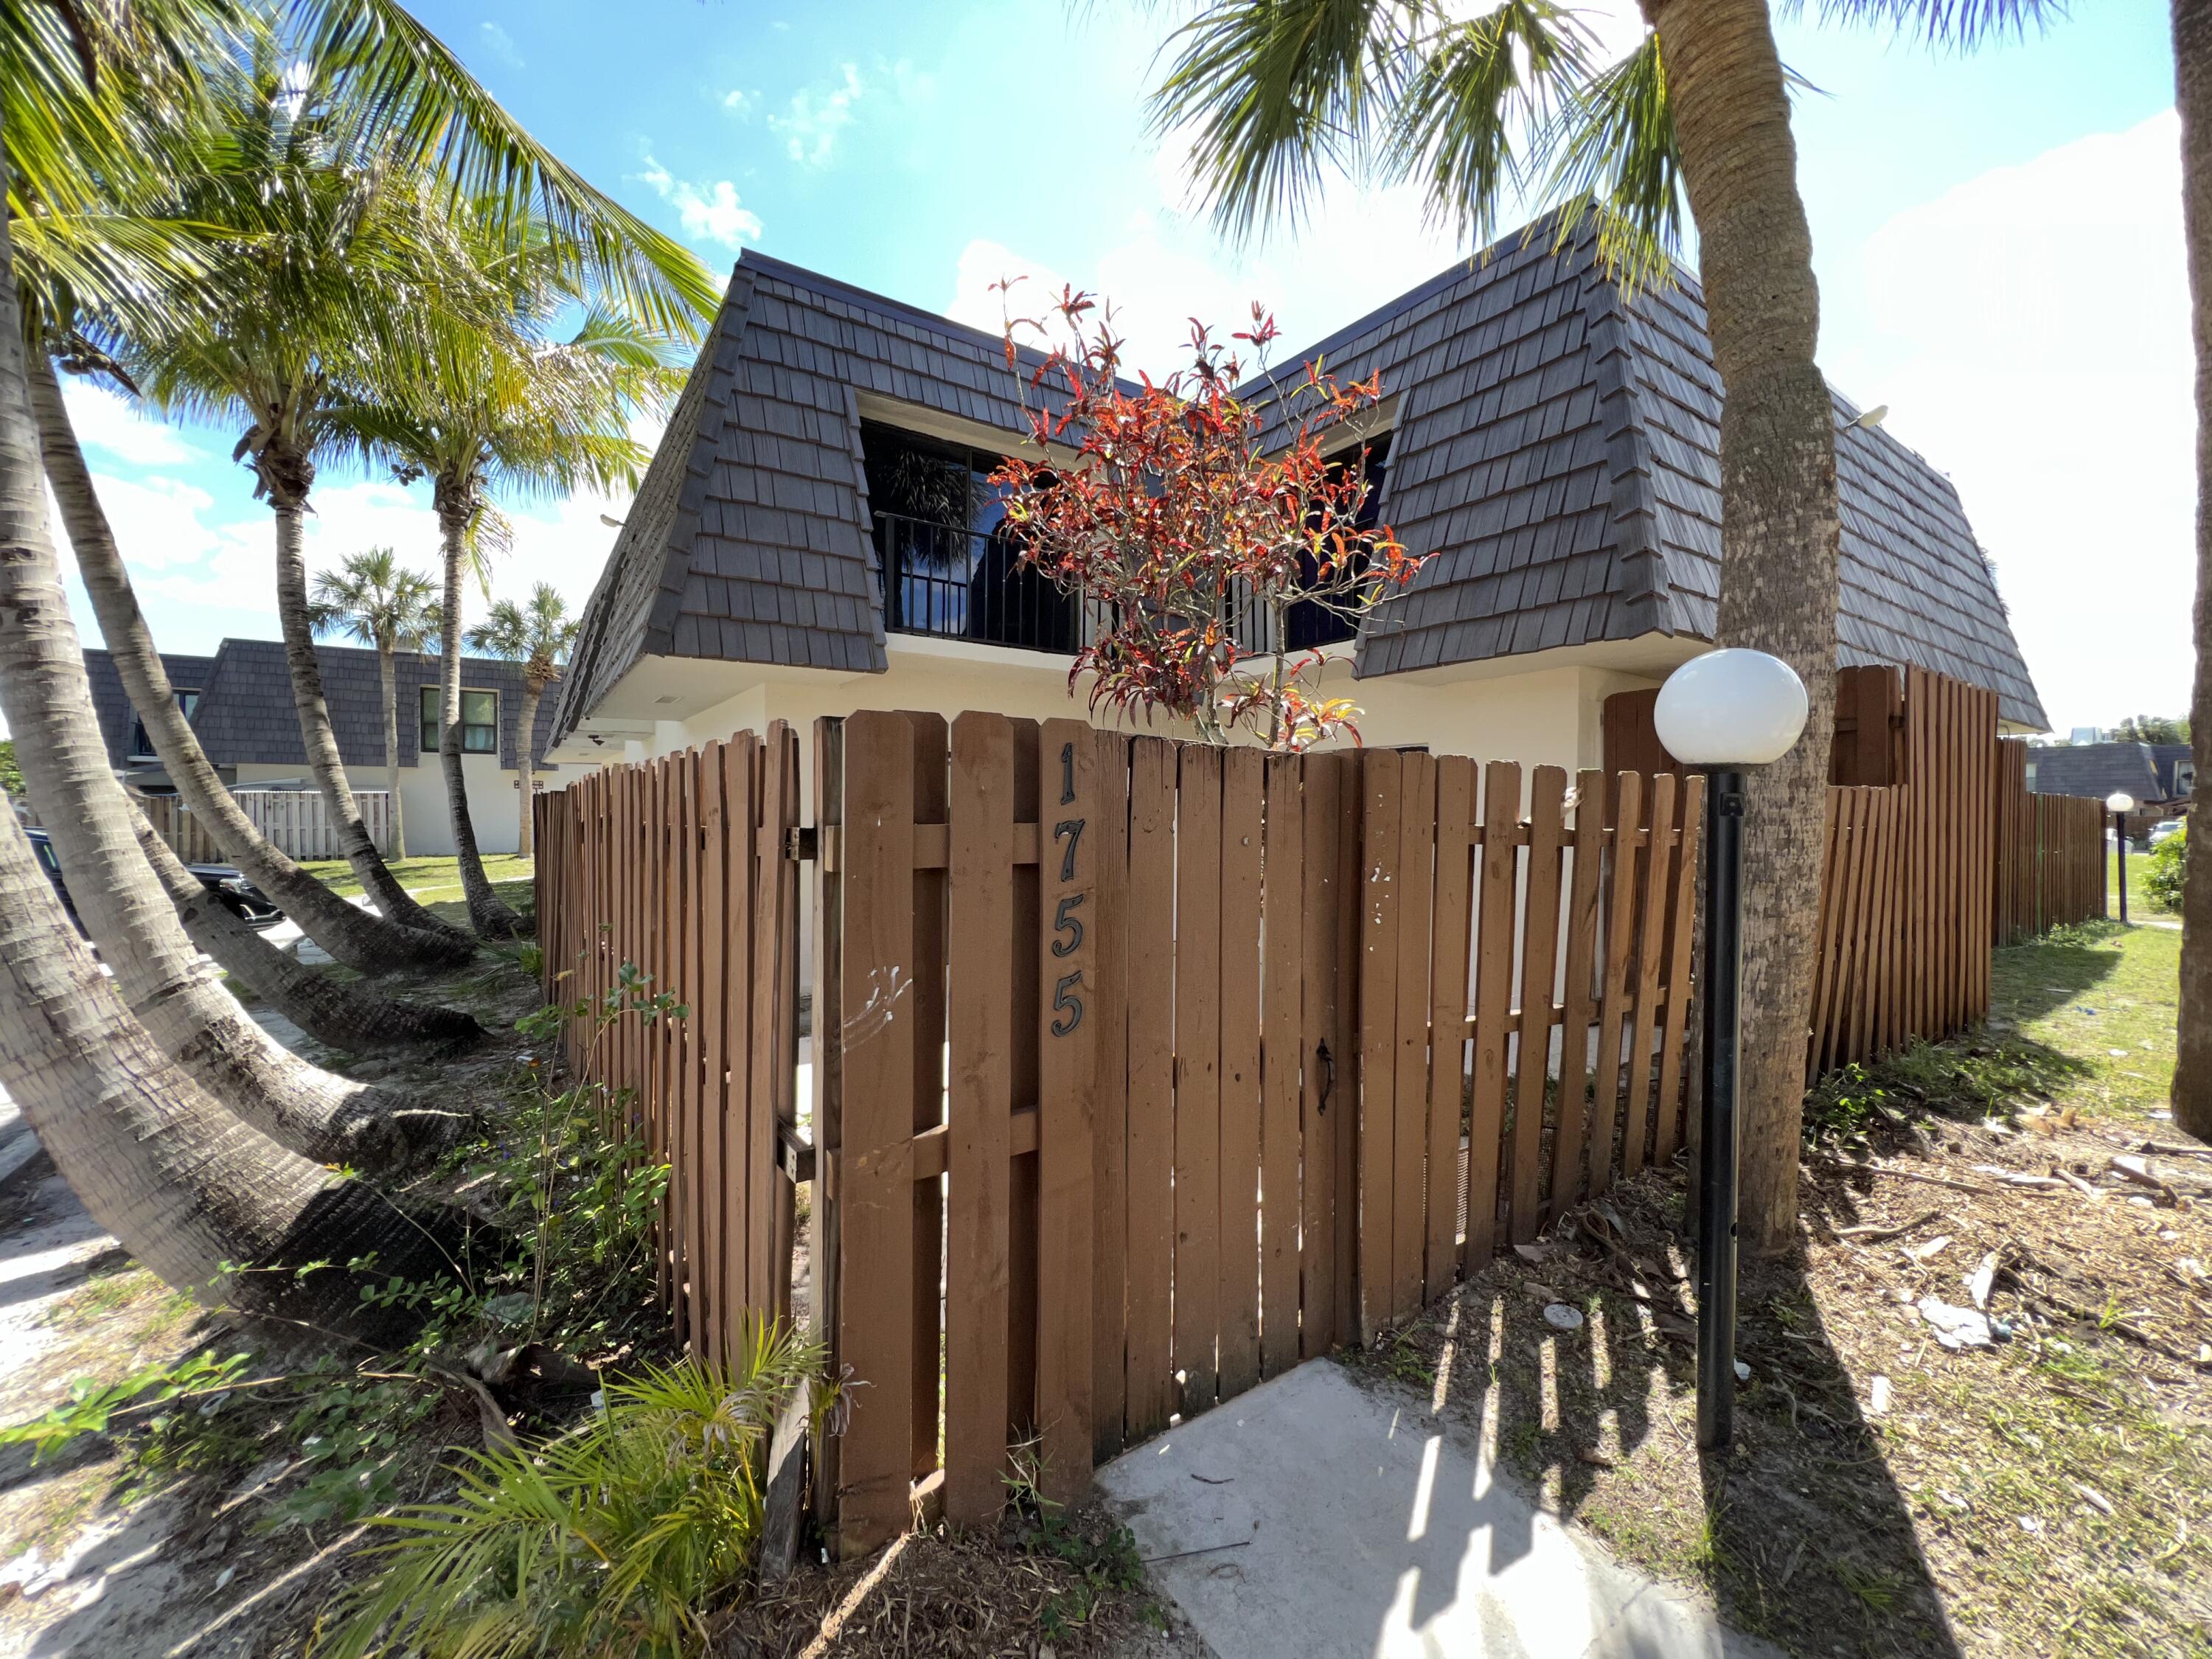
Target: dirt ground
{"type": "Point", "coordinates": [2046, 1491]}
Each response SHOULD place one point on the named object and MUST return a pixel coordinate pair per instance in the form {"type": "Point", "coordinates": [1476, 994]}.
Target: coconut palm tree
{"type": "Point", "coordinates": [1276, 94]}
{"type": "Point", "coordinates": [157, 1158]}
{"type": "Point", "coordinates": [190, 1189]}
{"type": "Point", "coordinates": [538, 636]}
{"type": "Point", "coordinates": [371, 599]}
{"type": "Point", "coordinates": [2192, 1070]}
{"type": "Point", "coordinates": [506, 414]}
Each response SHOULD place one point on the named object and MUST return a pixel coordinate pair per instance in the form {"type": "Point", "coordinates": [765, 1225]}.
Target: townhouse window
{"type": "Point", "coordinates": [949, 567]}
{"type": "Point", "coordinates": [1307, 625]}
{"type": "Point", "coordinates": [479, 720]}
{"type": "Point", "coordinates": [141, 746]}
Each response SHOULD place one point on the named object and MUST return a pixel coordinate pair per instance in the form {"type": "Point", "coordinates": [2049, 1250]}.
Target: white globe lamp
{"type": "Point", "coordinates": [1721, 713]}
{"type": "Point", "coordinates": [1731, 708]}
{"type": "Point", "coordinates": [2119, 803]}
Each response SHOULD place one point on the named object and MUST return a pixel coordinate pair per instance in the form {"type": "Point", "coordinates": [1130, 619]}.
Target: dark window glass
{"type": "Point", "coordinates": [1306, 625]}
{"type": "Point", "coordinates": [479, 720]}
{"type": "Point", "coordinates": [188, 701]}
{"type": "Point", "coordinates": [948, 568]}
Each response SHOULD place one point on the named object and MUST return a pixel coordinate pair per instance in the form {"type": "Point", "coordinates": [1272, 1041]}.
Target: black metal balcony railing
{"type": "Point", "coordinates": [1307, 627]}
{"type": "Point", "coordinates": [953, 583]}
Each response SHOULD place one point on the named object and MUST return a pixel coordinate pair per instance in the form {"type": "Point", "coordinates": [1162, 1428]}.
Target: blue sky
{"type": "Point", "coordinates": [1998, 239]}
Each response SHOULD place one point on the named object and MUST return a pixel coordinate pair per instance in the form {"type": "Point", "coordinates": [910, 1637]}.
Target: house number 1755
{"type": "Point", "coordinates": [1067, 927]}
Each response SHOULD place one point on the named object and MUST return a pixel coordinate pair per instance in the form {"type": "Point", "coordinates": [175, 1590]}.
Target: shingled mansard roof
{"type": "Point", "coordinates": [245, 714]}
{"type": "Point", "coordinates": [2100, 770]}
{"type": "Point", "coordinates": [1554, 447]}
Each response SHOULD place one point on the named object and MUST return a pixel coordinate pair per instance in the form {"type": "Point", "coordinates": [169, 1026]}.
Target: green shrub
{"type": "Point", "coordinates": [616, 1538]}
{"type": "Point", "coordinates": [2162, 881]}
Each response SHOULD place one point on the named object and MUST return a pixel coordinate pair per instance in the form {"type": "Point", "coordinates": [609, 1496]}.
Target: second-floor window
{"type": "Point", "coordinates": [948, 567]}
{"type": "Point", "coordinates": [479, 722]}
{"type": "Point", "coordinates": [141, 746]}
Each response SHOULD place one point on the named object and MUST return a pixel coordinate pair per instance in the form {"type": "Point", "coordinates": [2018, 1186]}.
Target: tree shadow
{"type": "Point", "coordinates": [1799, 1533]}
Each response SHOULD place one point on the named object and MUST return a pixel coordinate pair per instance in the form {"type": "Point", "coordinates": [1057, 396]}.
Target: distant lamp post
{"type": "Point", "coordinates": [2119, 803]}
{"type": "Point", "coordinates": [1723, 712]}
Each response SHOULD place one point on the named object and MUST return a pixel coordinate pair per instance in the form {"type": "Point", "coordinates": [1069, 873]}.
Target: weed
{"type": "Point", "coordinates": [616, 1536]}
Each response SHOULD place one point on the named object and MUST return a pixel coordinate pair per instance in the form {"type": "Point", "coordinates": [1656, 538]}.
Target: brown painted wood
{"type": "Point", "coordinates": [1023, 1235]}
{"type": "Point", "coordinates": [1351, 942]}
{"type": "Point", "coordinates": [691, 1056]}
{"type": "Point", "coordinates": [1612, 1009]}
{"type": "Point", "coordinates": [826, 1232]}
{"type": "Point", "coordinates": [1450, 924]}
{"type": "Point", "coordinates": [931, 806]}
{"type": "Point", "coordinates": [1539, 956]}
{"type": "Point", "coordinates": [1417, 830]}
{"type": "Point", "coordinates": [1682, 935]}
{"type": "Point", "coordinates": [1110, 1104]}
{"type": "Point", "coordinates": [1286, 878]}
{"type": "Point", "coordinates": [1198, 1083]}
{"type": "Point", "coordinates": [781, 951]}
{"type": "Point", "coordinates": [875, 1175]}
{"type": "Point", "coordinates": [1494, 1004]}
{"type": "Point", "coordinates": [1376, 1075]}
{"type": "Point", "coordinates": [1150, 1258]}
{"type": "Point", "coordinates": [1068, 805]}
{"type": "Point", "coordinates": [1243, 797]}
{"type": "Point", "coordinates": [741, 883]}
{"type": "Point", "coordinates": [1651, 952]}
{"type": "Point", "coordinates": [1579, 997]}
{"type": "Point", "coordinates": [1325, 1094]}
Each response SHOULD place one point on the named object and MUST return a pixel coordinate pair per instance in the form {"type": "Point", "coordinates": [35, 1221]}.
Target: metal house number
{"type": "Point", "coordinates": [1065, 922]}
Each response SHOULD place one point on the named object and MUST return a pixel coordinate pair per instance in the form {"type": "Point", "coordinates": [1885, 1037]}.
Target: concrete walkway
{"type": "Point", "coordinates": [1360, 1526]}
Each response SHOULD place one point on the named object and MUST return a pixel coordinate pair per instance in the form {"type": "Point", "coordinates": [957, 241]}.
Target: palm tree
{"type": "Point", "coordinates": [507, 413]}
{"type": "Point", "coordinates": [47, 704]}
{"type": "Point", "coordinates": [2192, 1070]}
{"type": "Point", "coordinates": [538, 636]}
{"type": "Point", "coordinates": [372, 599]}
{"type": "Point", "coordinates": [187, 1187]}
{"type": "Point", "coordinates": [1278, 92]}
{"type": "Point", "coordinates": [157, 1158]}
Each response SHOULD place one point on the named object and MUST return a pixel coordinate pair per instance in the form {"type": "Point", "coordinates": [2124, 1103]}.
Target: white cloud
{"type": "Point", "coordinates": [500, 44]}
{"type": "Point", "coordinates": [713, 211]}
{"type": "Point", "coordinates": [108, 423]}
{"type": "Point", "coordinates": [741, 103]}
{"type": "Point", "coordinates": [815, 115]}
{"type": "Point", "coordinates": [2029, 330]}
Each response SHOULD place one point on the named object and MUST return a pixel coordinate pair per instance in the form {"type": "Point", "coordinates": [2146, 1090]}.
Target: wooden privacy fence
{"type": "Point", "coordinates": [2051, 867]}
{"type": "Point", "coordinates": [1159, 1068]}
{"type": "Point", "coordinates": [677, 867]}
{"type": "Point", "coordinates": [294, 821]}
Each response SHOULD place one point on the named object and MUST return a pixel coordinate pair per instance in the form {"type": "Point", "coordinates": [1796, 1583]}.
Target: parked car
{"type": "Point", "coordinates": [2165, 831]}
{"type": "Point", "coordinates": [239, 895]}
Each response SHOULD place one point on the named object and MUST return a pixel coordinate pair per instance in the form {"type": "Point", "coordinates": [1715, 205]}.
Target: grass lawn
{"type": "Point", "coordinates": [432, 881]}
{"type": "Point", "coordinates": [2139, 901]}
{"type": "Point", "coordinates": [2049, 1494]}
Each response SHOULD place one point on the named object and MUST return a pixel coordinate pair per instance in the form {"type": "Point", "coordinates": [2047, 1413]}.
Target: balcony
{"type": "Point", "coordinates": [947, 583]}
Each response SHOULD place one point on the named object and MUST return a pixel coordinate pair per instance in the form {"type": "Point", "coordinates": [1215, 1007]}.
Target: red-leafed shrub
{"type": "Point", "coordinates": [1194, 517]}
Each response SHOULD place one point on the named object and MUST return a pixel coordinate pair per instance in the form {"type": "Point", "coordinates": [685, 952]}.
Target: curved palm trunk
{"type": "Point", "coordinates": [2192, 1072]}
{"type": "Point", "coordinates": [488, 914]}
{"type": "Point", "coordinates": [358, 938]}
{"type": "Point", "coordinates": [387, 683]}
{"type": "Point", "coordinates": [1779, 536]}
{"type": "Point", "coordinates": [525, 738]}
{"type": "Point", "coordinates": [339, 1015]}
{"type": "Point", "coordinates": [316, 736]}
{"type": "Point", "coordinates": [47, 703]}
{"type": "Point", "coordinates": [183, 1185]}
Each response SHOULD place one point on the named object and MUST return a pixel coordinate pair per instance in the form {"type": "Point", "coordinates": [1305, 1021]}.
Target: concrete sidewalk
{"type": "Point", "coordinates": [1360, 1525]}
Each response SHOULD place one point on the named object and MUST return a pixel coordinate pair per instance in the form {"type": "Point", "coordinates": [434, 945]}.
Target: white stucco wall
{"type": "Point", "coordinates": [495, 798]}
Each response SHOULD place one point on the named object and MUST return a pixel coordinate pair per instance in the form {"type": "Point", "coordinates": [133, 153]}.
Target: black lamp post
{"type": "Point", "coordinates": [2119, 803]}
{"type": "Point", "coordinates": [1724, 712]}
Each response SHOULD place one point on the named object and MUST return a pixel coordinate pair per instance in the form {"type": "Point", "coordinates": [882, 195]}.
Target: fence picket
{"type": "Point", "coordinates": [1111, 1102]}
{"type": "Point", "coordinates": [1244, 786]}
{"type": "Point", "coordinates": [1416, 835]}
{"type": "Point", "coordinates": [1283, 900]}
{"type": "Point", "coordinates": [1493, 1003]}
{"type": "Point", "coordinates": [1579, 999]}
{"type": "Point", "coordinates": [1619, 931]}
{"type": "Point", "coordinates": [1197, 1077]}
{"type": "Point", "coordinates": [1153, 994]}
{"type": "Point", "coordinates": [1450, 927]}
{"type": "Point", "coordinates": [1540, 939]}
{"type": "Point", "coordinates": [1377, 1081]}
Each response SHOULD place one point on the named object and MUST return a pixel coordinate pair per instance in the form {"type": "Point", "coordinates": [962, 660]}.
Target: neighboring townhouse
{"type": "Point", "coordinates": [240, 702]}
{"type": "Point", "coordinates": [2158, 777]}
{"type": "Point", "coordinates": [816, 532]}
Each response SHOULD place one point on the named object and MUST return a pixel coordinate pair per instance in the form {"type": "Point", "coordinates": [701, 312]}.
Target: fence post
{"type": "Point", "coordinates": [824, 1242]}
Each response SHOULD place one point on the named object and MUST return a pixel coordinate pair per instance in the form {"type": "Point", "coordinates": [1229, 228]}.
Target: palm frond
{"type": "Point", "coordinates": [1612, 155]}
{"type": "Point", "coordinates": [1960, 24]}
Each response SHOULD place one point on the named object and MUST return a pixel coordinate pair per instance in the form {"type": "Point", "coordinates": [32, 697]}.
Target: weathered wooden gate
{"type": "Point", "coordinates": [1142, 1070]}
